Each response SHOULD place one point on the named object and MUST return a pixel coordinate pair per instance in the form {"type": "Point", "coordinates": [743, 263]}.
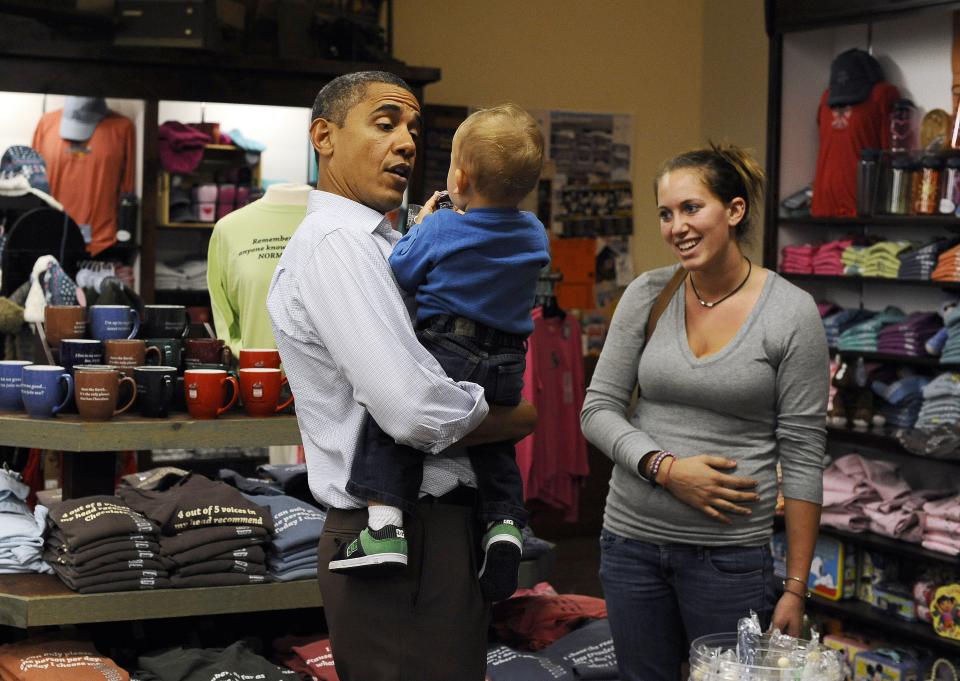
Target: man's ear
{"type": "Point", "coordinates": [322, 136]}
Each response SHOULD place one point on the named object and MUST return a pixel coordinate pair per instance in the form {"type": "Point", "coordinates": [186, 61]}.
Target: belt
{"type": "Point", "coordinates": [458, 496]}
{"type": "Point", "coordinates": [461, 326]}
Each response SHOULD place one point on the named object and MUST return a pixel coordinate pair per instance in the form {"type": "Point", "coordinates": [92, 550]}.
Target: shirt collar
{"type": "Point", "coordinates": [353, 214]}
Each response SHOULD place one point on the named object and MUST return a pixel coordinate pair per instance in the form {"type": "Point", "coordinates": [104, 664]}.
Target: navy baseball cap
{"type": "Point", "coordinates": [852, 76]}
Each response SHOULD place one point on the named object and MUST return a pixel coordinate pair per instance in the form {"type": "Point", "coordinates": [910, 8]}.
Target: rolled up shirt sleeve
{"type": "Point", "coordinates": [803, 377]}
{"type": "Point", "coordinates": [363, 322]}
{"type": "Point", "coordinates": [603, 418]}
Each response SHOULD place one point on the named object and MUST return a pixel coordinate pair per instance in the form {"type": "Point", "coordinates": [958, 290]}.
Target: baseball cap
{"type": "Point", "coordinates": [80, 117]}
{"type": "Point", "coordinates": [22, 160]}
{"type": "Point", "coordinates": [852, 75]}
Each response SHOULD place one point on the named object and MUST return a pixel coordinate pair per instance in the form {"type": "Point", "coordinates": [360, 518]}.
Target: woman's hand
{"type": "Point", "coordinates": [788, 615]}
{"type": "Point", "coordinates": [698, 481]}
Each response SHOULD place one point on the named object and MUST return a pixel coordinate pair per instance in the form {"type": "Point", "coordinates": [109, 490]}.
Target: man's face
{"type": "Point", "coordinates": [374, 151]}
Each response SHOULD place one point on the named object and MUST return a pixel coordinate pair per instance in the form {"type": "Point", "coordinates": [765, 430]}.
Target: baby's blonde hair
{"type": "Point", "coordinates": [502, 150]}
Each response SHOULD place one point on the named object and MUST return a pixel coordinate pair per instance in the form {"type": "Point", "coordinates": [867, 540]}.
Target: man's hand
{"type": "Point", "coordinates": [504, 423]}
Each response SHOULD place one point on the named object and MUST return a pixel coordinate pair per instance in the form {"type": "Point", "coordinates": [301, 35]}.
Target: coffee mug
{"type": "Point", "coordinates": [205, 390]}
{"type": "Point", "coordinates": [11, 376]}
{"type": "Point", "coordinates": [96, 393]}
{"type": "Point", "coordinates": [156, 389]}
{"type": "Point", "coordinates": [129, 353]}
{"type": "Point", "coordinates": [64, 321]}
{"type": "Point", "coordinates": [79, 351]}
{"type": "Point", "coordinates": [260, 389]}
{"type": "Point", "coordinates": [125, 390]}
{"type": "Point", "coordinates": [45, 389]}
{"type": "Point", "coordinates": [113, 321]}
{"type": "Point", "coordinates": [259, 358]}
{"type": "Point", "coordinates": [170, 351]}
{"type": "Point", "coordinates": [206, 351]}
{"type": "Point", "coordinates": [164, 321]}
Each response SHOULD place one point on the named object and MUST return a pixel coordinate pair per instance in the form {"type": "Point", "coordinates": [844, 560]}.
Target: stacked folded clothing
{"type": "Point", "coordinates": [920, 262]}
{"type": "Point", "coordinates": [53, 658]}
{"type": "Point", "coordinates": [233, 662]}
{"type": "Point", "coordinates": [584, 653]}
{"type": "Point", "coordinates": [881, 259]}
{"type": "Point", "coordinates": [909, 336]}
{"type": "Point", "coordinates": [309, 656]}
{"type": "Point", "coordinates": [863, 337]}
{"type": "Point", "coordinates": [950, 347]}
{"type": "Point", "coordinates": [836, 323]}
{"type": "Point", "coordinates": [852, 259]}
{"type": "Point", "coordinates": [937, 341]}
{"type": "Point", "coordinates": [188, 274]}
{"type": "Point", "coordinates": [797, 259]}
{"type": "Point", "coordinates": [828, 258]}
{"type": "Point", "coordinates": [941, 402]}
{"type": "Point", "coordinates": [292, 553]}
{"type": "Point", "coordinates": [904, 399]}
{"type": "Point", "coordinates": [948, 266]}
{"type": "Point", "coordinates": [98, 544]}
{"type": "Point", "coordinates": [211, 535]}
{"type": "Point", "coordinates": [941, 523]}
{"type": "Point", "coordinates": [21, 530]}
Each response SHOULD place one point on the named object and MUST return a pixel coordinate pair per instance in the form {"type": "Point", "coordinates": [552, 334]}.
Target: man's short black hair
{"type": "Point", "coordinates": [341, 94]}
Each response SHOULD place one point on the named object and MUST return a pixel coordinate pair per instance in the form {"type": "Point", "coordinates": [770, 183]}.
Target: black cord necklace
{"type": "Point", "coordinates": [717, 302]}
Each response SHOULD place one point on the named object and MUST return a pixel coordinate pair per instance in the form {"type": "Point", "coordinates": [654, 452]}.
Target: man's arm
{"type": "Point", "coordinates": [503, 423]}
{"type": "Point", "coordinates": [349, 295]}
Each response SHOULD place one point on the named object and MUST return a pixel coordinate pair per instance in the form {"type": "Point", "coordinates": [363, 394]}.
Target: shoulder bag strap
{"type": "Point", "coordinates": [660, 304]}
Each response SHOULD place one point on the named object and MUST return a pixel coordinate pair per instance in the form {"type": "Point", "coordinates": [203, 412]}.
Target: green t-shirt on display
{"type": "Point", "coordinates": [244, 250]}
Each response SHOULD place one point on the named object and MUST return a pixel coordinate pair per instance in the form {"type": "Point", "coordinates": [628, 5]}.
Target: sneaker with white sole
{"type": "Point", "coordinates": [502, 549]}
{"type": "Point", "coordinates": [383, 550]}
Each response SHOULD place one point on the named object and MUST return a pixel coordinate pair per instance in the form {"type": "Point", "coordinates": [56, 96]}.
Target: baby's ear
{"type": "Point", "coordinates": [462, 180]}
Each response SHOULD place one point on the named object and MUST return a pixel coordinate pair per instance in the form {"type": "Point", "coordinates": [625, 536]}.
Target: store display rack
{"type": "Point", "coordinates": [868, 616]}
{"type": "Point", "coordinates": [947, 221]}
{"type": "Point", "coordinates": [882, 281]}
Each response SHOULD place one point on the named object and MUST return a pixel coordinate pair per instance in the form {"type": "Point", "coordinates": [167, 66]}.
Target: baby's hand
{"type": "Point", "coordinates": [429, 207]}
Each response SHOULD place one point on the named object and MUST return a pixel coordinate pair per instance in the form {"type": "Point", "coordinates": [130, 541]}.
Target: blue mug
{"type": "Point", "coordinates": [108, 322]}
{"type": "Point", "coordinates": [11, 373]}
{"type": "Point", "coordinates": [76, 352]}
{"type": "Point", "coordinates": [45, 389]}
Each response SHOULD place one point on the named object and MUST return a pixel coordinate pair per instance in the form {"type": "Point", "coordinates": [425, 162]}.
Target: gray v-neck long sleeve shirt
{"type": "Point", "coordinates": [759, 400]}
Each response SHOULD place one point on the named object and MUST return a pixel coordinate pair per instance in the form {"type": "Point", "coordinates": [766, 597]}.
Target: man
{"type": "Point", "coordinates": [349, 349]}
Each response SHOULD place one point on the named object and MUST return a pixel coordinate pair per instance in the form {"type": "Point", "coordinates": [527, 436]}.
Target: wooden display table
{"type": "Point", "coordinates": [89, 447]}
{"type": "Point", "coordinates": [42, 600]}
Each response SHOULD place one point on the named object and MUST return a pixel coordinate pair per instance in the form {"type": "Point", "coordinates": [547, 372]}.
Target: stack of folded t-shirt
{"type": "Point", "coordinates": [21, 530]}
{"type": "Point", "coordinates": [797, 259]}
{"type": "Point", "coordinates": [941, 525]}
{"type": "Point", "coordinates": [949, 346]}
{"type": "Point", "coordinates": [863, 337]}
{"type": "Point", "coordinates": [309, 656]}
{"type": "Point", "coordinates": [53, 658]}
{"type": "Point", "coordinates": [98, 544]}
{"type": "Point", "coordinates": [941, 402]}
{"type": "Point", "coordinates": [585, 653]}
{"type": "Point", "coordinates": [835, 323]}
{"type": "Point", "coordinates": [210, 534]}
{"type": "Point", "coordinates": [948, 266]}
{"type": "Point", "coordinates": [235, 662]}
{"type": "Point", "coordinates": [920, 262]}
{"type": "Point", "coordinates": [828, 258]}
{"type": "Point", "coordinates": [852, 259]}
{"type": "Point", "coordinates": [903, 400]}
{"type": "Point", "coordinates": [881, 259]}
{"type": "Point", "coordinates": [909, 336]}
{"type": "Point", "coordinates": [297, 526]}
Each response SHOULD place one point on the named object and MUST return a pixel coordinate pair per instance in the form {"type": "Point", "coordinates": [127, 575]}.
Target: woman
{"type": "Point", "coordinates": [732, 381]}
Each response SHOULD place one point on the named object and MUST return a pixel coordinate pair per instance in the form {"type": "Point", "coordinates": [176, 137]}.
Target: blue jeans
{"type": "Point", "coordinates": [391, 474]}
{"type": "Point", "coordinates": [660, 598]}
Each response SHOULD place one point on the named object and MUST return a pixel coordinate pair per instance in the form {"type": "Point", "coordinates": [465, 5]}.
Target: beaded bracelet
{"type": "Point", "coordinates": [657, 462]}
{"type": "Point", "coordinates": [666, 472]}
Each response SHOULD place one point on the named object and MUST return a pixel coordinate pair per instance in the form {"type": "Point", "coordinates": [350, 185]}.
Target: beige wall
{"type": "Point", "coordinates": [674, 66]}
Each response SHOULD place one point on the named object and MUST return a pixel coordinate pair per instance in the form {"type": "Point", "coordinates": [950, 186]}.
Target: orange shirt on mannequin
{"type": "Point", "coordinates": [88, 177]}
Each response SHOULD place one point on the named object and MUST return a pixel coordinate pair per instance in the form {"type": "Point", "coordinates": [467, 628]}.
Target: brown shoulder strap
{"type": "Point", "coordinates": [660, 304]}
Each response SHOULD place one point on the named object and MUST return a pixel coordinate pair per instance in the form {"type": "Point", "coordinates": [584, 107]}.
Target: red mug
{"type": "Point", "coordinates": [205, 389]}
{"type": "Point", "coordinates": [206, 351]}
{"type": "Point", "coordinates": [260, 388]}
{"type": "Point", "coordinates": [259, 358]}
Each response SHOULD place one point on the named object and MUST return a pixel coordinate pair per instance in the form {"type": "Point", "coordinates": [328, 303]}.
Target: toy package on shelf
{"type": "Point", "coordinates": [833, 572]}
{"type": "Point", "coordinates": [886, 664]}
{"type": "Point", "coordinates": [849, 647]}
{"type": "Point", "coordinates": [875, 569]}
{"type": "Point", "coordinates": [946, 611]}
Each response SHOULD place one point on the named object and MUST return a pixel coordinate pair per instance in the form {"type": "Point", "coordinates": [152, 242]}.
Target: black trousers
{"type": "Point", "coordinates": [426, 624]}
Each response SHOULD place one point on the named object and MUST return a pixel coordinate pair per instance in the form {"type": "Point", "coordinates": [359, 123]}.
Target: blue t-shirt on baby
{"type": "Point", "coordinates": [482, 265]}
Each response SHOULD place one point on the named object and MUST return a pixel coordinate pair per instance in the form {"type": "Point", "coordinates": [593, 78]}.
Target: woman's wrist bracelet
{"type": "Point", "coordinates": [666, 472]}
{"type": "Point", "coordinates": [806, 592]}
{"type": "Point", "coordinates": [657, 462]}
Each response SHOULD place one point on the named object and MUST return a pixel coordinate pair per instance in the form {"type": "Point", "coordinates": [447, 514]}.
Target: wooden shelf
{"type": "Point", "coordinates": [869, 438]}
{"type": "Point", "coordinates": [877, 542]}
{"type": "Point", "coordinates": [865, 614]}
{"type": "Point", "coordinates": [873, 221]}
{"type": "Point", "coordinates": [222, 147]}
{"type": "Point", "coordinates": [69, 433]}
{"type": "Point", "coordinates": [856, 281]}
{"type": "Point", "coordinates": [921, 361]}
{"type": "Point", "coordinates": [43, 600]}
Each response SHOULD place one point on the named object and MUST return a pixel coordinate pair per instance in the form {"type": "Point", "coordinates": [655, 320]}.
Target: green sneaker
{"type": "Point", "coordinates": [502, 549]}
{"type": "Point", "coordinates": [383, 550]}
